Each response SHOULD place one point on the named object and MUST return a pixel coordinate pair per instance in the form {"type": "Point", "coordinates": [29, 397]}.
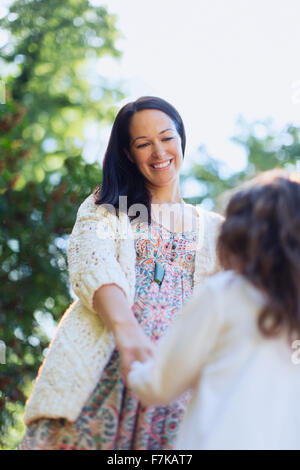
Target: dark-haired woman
{"type": "Point", "coordinates": [237, 341]}
{"type": "Point", "coordinates": [136, 254]}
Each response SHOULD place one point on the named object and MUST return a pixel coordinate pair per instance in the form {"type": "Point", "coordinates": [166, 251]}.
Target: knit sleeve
{"type": "Point", "coordinates": [92, 253]}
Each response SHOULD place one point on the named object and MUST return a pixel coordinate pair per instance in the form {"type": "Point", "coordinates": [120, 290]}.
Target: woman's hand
{"type": "Point", "coordinates": [133, 345]}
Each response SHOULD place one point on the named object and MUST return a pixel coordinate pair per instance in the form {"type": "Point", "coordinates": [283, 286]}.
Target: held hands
{"type": "Point", "coordinates": [113, 308]}
{"type": "Point", "coordinates": [133, 345]}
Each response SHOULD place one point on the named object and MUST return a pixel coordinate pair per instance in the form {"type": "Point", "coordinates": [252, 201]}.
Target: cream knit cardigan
{"type": "Point", "coordinates": [101, 251]}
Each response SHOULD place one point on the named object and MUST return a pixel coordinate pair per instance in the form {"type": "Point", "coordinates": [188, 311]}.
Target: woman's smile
{"type": "Point", "coordinates": [165, 164]}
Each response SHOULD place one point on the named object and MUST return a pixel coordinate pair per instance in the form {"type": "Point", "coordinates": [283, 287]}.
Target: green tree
{"type": "Point", "coordinates": [51, 97]}
{"type": "Point", "coordinates": [56, 47]}
{"type": "Point", "coordinates": [265, 147]}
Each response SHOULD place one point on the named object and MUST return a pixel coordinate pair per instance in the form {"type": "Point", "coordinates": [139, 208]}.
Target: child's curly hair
{"type": "Point", "coordinates": [260, 239]}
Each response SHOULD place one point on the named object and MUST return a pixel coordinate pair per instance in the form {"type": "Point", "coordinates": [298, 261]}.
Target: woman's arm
{"type": "Point", "coordinates": [177, 362]}
{"type": "Point", "coordinates": [91, 253]}
{"type": "Point", "coordinates": [99, 281]}
{"type": "Point", "coordinates": [113, 307]}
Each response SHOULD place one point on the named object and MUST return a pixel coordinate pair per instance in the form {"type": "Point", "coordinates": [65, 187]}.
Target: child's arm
{"type": "Point", "coordinates": [178, 359]}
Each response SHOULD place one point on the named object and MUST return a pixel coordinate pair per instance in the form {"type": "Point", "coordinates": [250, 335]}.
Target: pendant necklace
{"type": "Point", "coordinates": [159, 271]}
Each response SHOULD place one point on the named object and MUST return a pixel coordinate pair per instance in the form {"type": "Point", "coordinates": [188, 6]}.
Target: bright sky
{"type": "Point", "coordinates": [213, 60]}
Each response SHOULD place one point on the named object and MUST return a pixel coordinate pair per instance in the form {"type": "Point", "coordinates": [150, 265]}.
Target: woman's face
{"type": "Point", "coordinates": [155, 147]}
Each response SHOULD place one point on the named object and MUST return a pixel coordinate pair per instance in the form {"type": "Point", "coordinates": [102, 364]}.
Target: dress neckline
{"type": "Point", "coordinates": [195, 230]}
{"type": "Point", "coordinates": [174, 231]}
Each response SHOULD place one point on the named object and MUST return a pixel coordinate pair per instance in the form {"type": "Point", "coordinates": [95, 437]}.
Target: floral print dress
{"type": "Point", "coordinates": [113, 418]}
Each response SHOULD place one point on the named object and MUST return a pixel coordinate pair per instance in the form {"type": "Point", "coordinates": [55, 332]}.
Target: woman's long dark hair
{"type": "Point", "coordinates": [121, 177]}
{"type": "Point", "coordinates": [260, 239]}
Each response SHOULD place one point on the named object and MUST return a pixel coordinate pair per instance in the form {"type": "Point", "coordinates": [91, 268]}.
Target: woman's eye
{"type": "Point", "coordinates": [142, 145]}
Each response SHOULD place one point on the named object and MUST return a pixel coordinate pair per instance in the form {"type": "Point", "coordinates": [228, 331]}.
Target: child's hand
{"type": "Point", "coordinates": [133, 346]}
{"type": "Point", "coordinates": [139, 375]}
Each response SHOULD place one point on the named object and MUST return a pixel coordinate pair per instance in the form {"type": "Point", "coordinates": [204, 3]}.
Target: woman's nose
{"type": "Point", "coordinates": [158, 150]}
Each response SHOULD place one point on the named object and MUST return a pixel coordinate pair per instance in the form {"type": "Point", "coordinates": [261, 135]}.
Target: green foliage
{"type": "Point", "coordinates": [14, 149]}
{"type": "Point", "coordinates": [265, 148]}
{"type": "Point", "coordinates": [55, 47]}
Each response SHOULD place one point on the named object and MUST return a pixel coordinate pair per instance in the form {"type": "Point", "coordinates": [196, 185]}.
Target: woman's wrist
{"type": "Point", "coordinates": [125, 324]}
{"type": "Point", "coordinates": [112, 306]}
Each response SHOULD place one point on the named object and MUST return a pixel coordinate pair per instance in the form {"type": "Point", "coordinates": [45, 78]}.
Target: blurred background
{"type": "Point", "coordinates": [231, 69]}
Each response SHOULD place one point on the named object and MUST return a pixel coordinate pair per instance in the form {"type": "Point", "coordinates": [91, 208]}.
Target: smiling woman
{"type": "Point", "coordinates": [130, 289]}
{"type": "Point", "coordinates": [157, 155]}
{"type": "Point", "coordinates": [144, 155]}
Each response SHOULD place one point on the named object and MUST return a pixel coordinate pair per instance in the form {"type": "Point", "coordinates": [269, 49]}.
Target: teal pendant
{"type": "Point", "coordinates": [159, 273]}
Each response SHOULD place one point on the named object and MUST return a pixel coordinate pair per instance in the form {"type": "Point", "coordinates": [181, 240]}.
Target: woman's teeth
{"type": "Point", "coordinates": [162, 165]}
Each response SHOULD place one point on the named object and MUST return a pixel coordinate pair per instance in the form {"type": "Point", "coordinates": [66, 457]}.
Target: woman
{"type": "Point", "coordinates": [132, 275]}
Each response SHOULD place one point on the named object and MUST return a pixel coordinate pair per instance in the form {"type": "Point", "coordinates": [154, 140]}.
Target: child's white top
{"type": "Point", "coordinates": [246, 387]}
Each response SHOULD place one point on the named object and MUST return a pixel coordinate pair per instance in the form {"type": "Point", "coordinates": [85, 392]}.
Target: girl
{"type": "Point", "coordinates": [132, 276]}
{"type": "Point", "coordinates": [234, 343]}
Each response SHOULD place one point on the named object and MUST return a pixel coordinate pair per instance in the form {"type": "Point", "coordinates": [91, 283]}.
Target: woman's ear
{"type": "Point", "coordinates": [128, 155]}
